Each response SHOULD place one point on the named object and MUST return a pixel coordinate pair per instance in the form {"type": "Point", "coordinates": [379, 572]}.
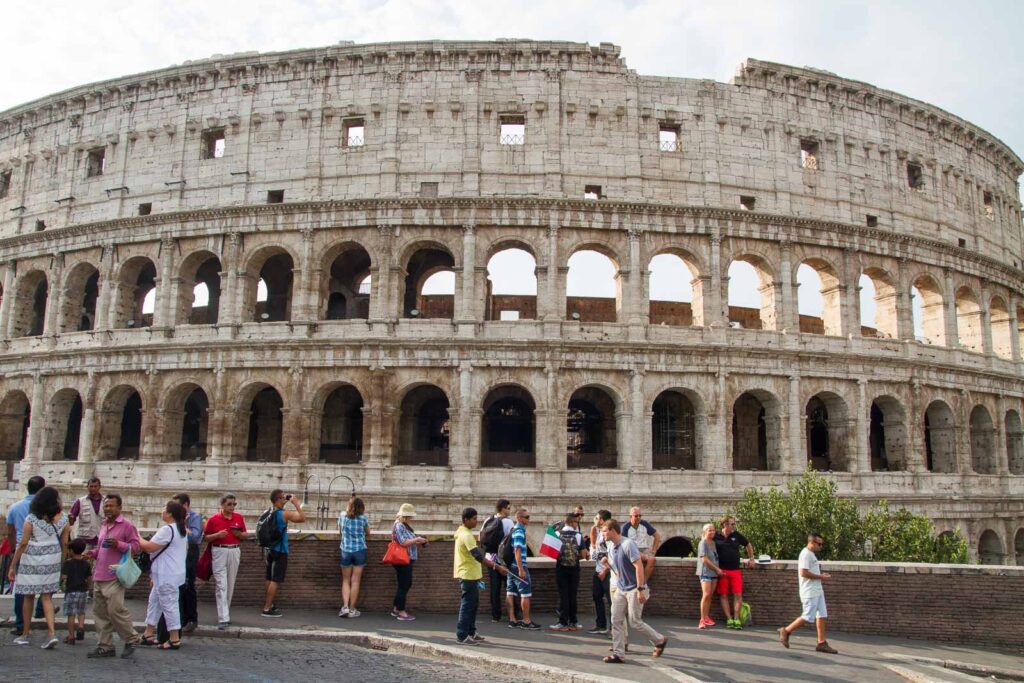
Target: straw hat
{"type": "Point", "coordinates": [407, 510]}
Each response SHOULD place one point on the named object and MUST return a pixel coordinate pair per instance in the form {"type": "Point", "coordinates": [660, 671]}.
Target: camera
{"type": "Point", "coordinates": [288, 496]}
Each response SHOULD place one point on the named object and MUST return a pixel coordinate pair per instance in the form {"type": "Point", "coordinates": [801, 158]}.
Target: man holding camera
{"type": "Point", "coordinates": [277, 554]}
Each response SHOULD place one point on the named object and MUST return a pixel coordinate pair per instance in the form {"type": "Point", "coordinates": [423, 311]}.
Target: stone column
{"type": "Point", "coordinates": [302, 278]}
{"type": "Point", "coordinates": [719, 451]}
{"type": "Point", "coordinates": [228, 313]}
{"type": "Point", "coordinates": [638, 446]}
{"type": "Point", "coordinates": [1014, 329]}
{"type": "Point", "coordinates": [8, 298]}
{"type": "Point", "coordinates": [37, 422]}
{"type": "Point", "coordinates": [904, 306]}
{"type": "Point", "coordinates": [462, 456]}
{"type": "Point", "coordinates": [716, 299]}
{"type": "Point", "coordinates": [382, 307]}
{"type": "Point", "coordinates": [86, 437]}
{"type": "Point", "coordinates": [151, 446]}
{"type": "Point", "coordinates": [986, 320]}
{"type": "Point", "coordinates": [860, 458]}
{"type": "Point", "coordinates": [916, 457]}
{"type": "Point", "coordinates": [1002, 452]}
{"type": "Point", "coordinates": [635, 307]}
{"type": "Point", "coordinates": [789, 317]}
{"type": "Point", "coordinates": [55, 298]}
{"type": "Point", "coordinates": [949, 312]}
{"type": "Point", "coordinates": [548, 304]}
{"type": "Point", "coordinates": [797, 457]}
{"type": "Point", "coordinates": [165, 290]}
{"type": "Point", "coordinates": [466, 297]}
{"type": "Point", "coordinates": [850, 292]}
{"type": "Point", "coordinates": [550, 420]}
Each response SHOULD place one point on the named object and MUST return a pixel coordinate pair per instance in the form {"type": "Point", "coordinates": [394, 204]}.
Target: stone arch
{"type": "Point", "coordinates": [969, 320]}
{"type": "Point", "coordinates": [15, 419]}
{"type": "Point", "coordinates": [511, 298]}
{"type": "Point", "coordinates": [187, 421]}
{"type": "Point", "coordinates": [1014, 443]}
{"type": "Point", "coordinates": [423, 262]}
{"type": "Point", "coordinates": [827, 300]}
{"type": "Point", "coordinates": [827, 432]}
{"type": "Point", "coordinates": [999, 317]}
{"type": "Point", "coordinates": [261, 410]}
{"type": "Point", "coordinates": [879, 303]}
{"type": "Point", "coordinates": [1018, 547]}
{"type": "Point", "coordinates": [338, 408]}
{"type": "Point", "coordinates": [199, 289]}
{"type": "Point", "coordinates": [940, 438]}
{"type": "Point", "coordinates": [30, 301]}
{"type": "Point", "coordinates": [63, 425]}
{"type": "Point", "coordinates": [990, 548]}
{"type": "Point", "coordinates": [763, 315]}
{"type": "Point", "coordinates": [982, 435]}
{"type": "Point", "coordinates": [135, 280]}
{"type": "Point", "coordinates": [590, 302]}
{"type": "Point", "coordinates": [424, 427]}
{"type": "Point", "coordinates": [675, 289]}
{"type": "Point", "coordinates": [81, 292]}
{"type": "Point", "coordinates": [674, 430]}
{"type": "Point", "coordinates": [927, 310]}
{"type": "Point", "coordinates": [676, 546]}
{"type": "Point", "coordinates": [509, 427]}
{"type": "Point", "coordinates": [887, 435]}
{"type": "Point", "coordinates": [757, 431]}
{"type": "Point", "coordinates": [274, 266]}
{"type": "Point", "coordinates": [345, 282]}
{"type": "Point", "coordinates": [120, 427]}
{"type": "Point", "coordinates": [591, 430]}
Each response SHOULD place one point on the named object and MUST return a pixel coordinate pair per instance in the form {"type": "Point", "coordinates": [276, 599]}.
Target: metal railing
{"type": "Point", "coordinates": [669, 145]}
{"type": "Point", "coordinates": [512, 139]}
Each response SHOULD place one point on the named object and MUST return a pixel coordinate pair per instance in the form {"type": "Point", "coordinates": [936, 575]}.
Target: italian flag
{"type": "Point", "coordinates": [552, 544]}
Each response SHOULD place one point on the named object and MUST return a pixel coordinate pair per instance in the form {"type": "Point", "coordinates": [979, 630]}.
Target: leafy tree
{"type": "Point", "coordinates": [901, 536]}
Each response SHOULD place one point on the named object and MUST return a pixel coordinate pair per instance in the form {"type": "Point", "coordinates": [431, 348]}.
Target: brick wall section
{"type": "Point", "coordinates": [960, 603]}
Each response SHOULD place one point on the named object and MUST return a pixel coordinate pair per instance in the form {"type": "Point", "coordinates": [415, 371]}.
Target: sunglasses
{"type": "Point", "coordinates": [526, 516]}
{"type": "Point", "coordinates": [230, 505]}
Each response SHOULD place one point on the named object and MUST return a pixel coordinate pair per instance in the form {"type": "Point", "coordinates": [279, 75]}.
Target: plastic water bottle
{"type": "Point", "coordinates": [481, 585]}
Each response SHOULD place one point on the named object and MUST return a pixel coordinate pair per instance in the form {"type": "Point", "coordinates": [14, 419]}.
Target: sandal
{"type": "Point", "coordinates": [659, 648]}
{"type": "Point", "coordinates": [69, 640]}
{"type": "Point", "coordinates": [170, 645]}
{"type": "Point", "coordinates": [149, 641]}
{"type": "Point", "coordinates": [613, 659]}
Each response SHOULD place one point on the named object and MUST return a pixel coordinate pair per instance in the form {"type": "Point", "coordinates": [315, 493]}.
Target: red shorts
{"type": "Point", "coordinates": [730, 582]}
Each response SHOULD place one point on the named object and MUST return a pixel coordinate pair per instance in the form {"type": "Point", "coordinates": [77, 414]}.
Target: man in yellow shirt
{"type": "Point", "coordinates": [469, 572]}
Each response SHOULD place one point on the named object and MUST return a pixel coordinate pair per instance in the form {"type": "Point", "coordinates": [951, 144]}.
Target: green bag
{"type": "Point", "coordinates": [745, 615]}
{"type": "Point", "coordinates": [127, 571]}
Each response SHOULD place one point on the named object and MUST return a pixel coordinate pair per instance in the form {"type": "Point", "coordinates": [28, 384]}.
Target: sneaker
{"type": "Point", "coordinates": [515, 624]}
{"type": "Point", "coordinates": [477, 638]}
{"type": "Point", "coordinates": [702, 625]}
{"type": "Point", "coordinates": [558, 627]}
{"type": "Point", "coordinates": [272, 612]}
{"type": "Point", "coordinates": [128, 651]}
{"type": "Point", "coordinates": [496, 620]}
{"type": "Point", "coordinates": [353, 613]}
{"type": "Point", "coordinates": [598, 631]}
{"type": "Point", "coordinates": [16, 631]}
{"type": "Point", "coordinates": [529, 625]}
{"type": "Point", "coordinates": [50, 644]}
{"type": "Point", "coordinates": [784, 637]}
{"type": "Point", "coordinates": [575, 627]}
{"type": "Point", "coordinates": [394, 612]}
{"type": "Point", "coordinates": [468, 640]}
{"type": "Point", "coordinates": [223, 625]}
{"type": "Point", "coordinates": [189, 627]}
{"type": "Point", "coordinates": [406, 617]}
{"type": "Point", "coordinates": [738, 626]}
{"type": "Point", "coordinates": [730, 623]}
{"type": "Point", "coordinates": [101, 652]}
{"type": "Point", "coordinates": [826, 648]}
{"type": "Point", "coordinates": [343, 612]}
{"type": "Point", "coordinates": [21, 640]}
{"type": "Point", "coordinates": [709, 621]}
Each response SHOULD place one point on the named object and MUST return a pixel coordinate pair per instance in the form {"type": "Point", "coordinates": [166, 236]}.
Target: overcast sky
{"type": "Point", "coordinates": [964, 57]}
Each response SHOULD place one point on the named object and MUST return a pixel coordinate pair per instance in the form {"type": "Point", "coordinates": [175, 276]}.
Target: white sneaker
{"type": "Point", "coordinates": [353, 613]}
{"type": "Point", "coordinates": [21, 640]}
{"type": "Point", "coordinates": [50, 644]}
{"type": "Point", "coordinates": [343, 612]}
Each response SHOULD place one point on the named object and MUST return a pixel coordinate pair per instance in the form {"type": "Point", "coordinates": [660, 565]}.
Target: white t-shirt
{"type": "Point", "coordinates": [506, 526]}
{"type": "Point", "coordinates": [809, 588]}
{"type": "Point", "coordinates": [169, 567]}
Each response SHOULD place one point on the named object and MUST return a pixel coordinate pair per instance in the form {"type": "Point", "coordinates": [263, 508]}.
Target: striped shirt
{"type": "Point", "coordinates": [353, 532]}
{"type": "Point", "coordinates": [519, 540]}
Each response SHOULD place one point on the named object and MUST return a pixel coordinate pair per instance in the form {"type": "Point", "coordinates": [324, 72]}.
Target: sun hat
{"type": "Point", "coordinates": [407, 510]}
{"type": "Point", "coordinates": [764, 559]}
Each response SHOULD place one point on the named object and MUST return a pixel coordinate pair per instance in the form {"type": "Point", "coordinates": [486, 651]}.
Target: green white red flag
{"type": "Point", "coordinates": [551, 546]}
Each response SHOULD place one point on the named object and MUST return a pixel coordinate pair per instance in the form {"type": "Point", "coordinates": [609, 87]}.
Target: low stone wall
{"type": "Point", "coordinates": [959, 603]}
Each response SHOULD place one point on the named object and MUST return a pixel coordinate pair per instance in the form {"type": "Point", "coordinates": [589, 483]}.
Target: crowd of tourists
{"type": "Point", "coordinates": [89, 554]}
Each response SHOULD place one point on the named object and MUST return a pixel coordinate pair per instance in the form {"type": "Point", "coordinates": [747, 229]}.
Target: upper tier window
{"type": "Point", "coordinates": [353, 133]}
{"type": "Point", "coordinates": [5, 183]}
{"type": "Point", "coordinates": [809, 154]}
{"type": "Point", "coordinates": [513, 130]}
{"type": "Point", "coordinates": [213, 143]}
{"type": "Point", "coordinates": [668, 137]}
{"type": "Point", "coordinates": [95, 162]}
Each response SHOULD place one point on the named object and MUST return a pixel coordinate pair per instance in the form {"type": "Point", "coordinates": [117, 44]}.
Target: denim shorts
{"type": "Point", "coordinates": [516, 586]}
{"type": "Point", "coordinates": [708, 579]}
{"type": "Point", "coordinates": [353, 559]}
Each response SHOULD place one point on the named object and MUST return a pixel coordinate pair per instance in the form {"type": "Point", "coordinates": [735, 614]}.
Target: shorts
{"type": "Point", "coordinates": [646, 553]}
{"type": "Point", "coordinates": [522, 588]}
{"type": "Point", "coordinates": [277, 565]}
{"type": "Point", "coordinates": [814, 609]}
{"type": "Point", "coordinates": [74, 603]}
{"type": "Point", "coordinates": [708, 579]}
{"type": "Point", "coordinates": [730, 582]}
{"type": "Point", "coordinates": [353, 558]}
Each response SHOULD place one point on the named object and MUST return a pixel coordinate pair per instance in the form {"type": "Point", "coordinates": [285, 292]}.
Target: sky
{"type": "Point", "coordinates": [964, 57]}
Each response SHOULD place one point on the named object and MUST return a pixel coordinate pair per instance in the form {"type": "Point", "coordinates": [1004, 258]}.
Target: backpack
{"type": "Point", "coordinates": [492, 533]}
{"type": "Point", "coordinates": [745, 615]}
{"type": "Point", "coordinates": [506, 553]}
{"type": "Point", "coordinates": [569, 555]}
{"type": "Point", "coordinates": [268, 534]}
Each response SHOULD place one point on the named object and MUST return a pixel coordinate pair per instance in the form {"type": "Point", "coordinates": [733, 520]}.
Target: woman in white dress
{"type": "Point", "coordinates": [36, 566]}
{"type": "Point", "coordinates": [167, 550]}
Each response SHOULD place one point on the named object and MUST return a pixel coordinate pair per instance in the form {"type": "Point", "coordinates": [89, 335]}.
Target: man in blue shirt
{"type": "Point", "coordinates": [519, 584]}
{"type": "Point", "coordinates": [15, 522]}
{"type": "Point", "coordinates": [277, 556]}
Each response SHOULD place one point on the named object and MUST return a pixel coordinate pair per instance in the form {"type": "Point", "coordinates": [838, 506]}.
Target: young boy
{"type": "Point", "coordinates": [77, 579]}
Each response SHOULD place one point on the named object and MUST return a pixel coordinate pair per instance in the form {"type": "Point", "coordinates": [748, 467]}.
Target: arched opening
{"type": "Point", "coordinates": [673, 432]}
{"type": "Point", "coordinates": [345, 298]}
{"type": "Point", "coordinates": [927, 309]}
{"type": "Point", "coordinates": [266, 426]}
{"type": "Point", "coordinates": [827, 427]}
{"type": "Point", "coordinates": [591, 430]}
{"type": "Point", "coordinates": [200, 289]}
{"type": "Point", "coordinates": [999, 315]}
{"type": "Point", "coordinates": [272, 298]}
{"type": "Point", "coordinates": [982, 433]}
{"type": "Point", "coordinates": [15, 418]}
{"type": "Point", "coordinates": [675, 291]}
{"type": "Point", "coordinates": [818, 298]}
{"type": "Point", "coordinates": [424, 427]}
{"type": "Point", "coordinates": [509, 428]}
{"type": "Point", "coordinates": [341, 426]}
{"type": "Point", "coordinates": [887, 436]}
{"type": "Point", "coordinates": [940, 438]}
{"type": "Point", "coordinates": [195, 424]}
{"type": "Point", "coordinates": [30, 305]}
{"type": "Point", "coordinates": [128, 447]}
{"type": "Point", "coordinates": [1018, 547]}
{"type": "Point", "coordinates": [990, 548]}
{"type": "Point", "coordinates": [1014, 442]}
{"type": "Point", "coordinates": [81, 290]}
{"type": "Point", "coordinates": [592, 288]}
{"type": "Point", "coordinates": [969, 318]}
{"type": "Point", "coordinates": [64, 426]}
{"type": "Point", "coordinates": [677, 546]}
{"type": "Point", "coordinates": [121, 424]}
{"type": "Point", "coordinates": [751, 294]}
{"type": "Point", "coordinates": [511, 285]}
{"type": "Point", "coordinates": [136, 294]}
{"type": "Point", "coordinates": [429, 285]}
{"type": "Point", "coordinates": [756, 431]}
{"type": "Point", "coordinates": [878, 304]}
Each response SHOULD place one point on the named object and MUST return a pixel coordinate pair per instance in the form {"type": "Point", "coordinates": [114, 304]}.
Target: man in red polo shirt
{"type": "Point", "coordinates": [224, 531]}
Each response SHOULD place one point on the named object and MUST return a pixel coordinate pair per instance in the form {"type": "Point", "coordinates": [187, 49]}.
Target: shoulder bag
{"type": "Point", "coordinates": [397, 554]}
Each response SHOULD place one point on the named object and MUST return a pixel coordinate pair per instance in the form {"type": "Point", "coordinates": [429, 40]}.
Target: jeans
{"type": "Point", "coordinates": [495, 583]}
{"type": "Point", "coordinates": [403, 573]}
{"type": "Point", "coordinates": [568, 581]}
{"type": "Point", "coordinates": [601, 589]}
{"type": "Point", "coordinates": [627, 603]}
{"type": "Point", "coordinates": [467, 609]}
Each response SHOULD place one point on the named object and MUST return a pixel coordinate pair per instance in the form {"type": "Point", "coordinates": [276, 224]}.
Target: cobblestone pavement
{"type": "Point", "coordinates": [227, 661]}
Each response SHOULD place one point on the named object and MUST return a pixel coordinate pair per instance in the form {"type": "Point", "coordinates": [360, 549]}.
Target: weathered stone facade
{"type": "Point", "coordinates": [310, 194]}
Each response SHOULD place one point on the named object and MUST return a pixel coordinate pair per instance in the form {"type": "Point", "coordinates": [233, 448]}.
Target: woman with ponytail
{"type": "Point", "coordinates": [168, 549]}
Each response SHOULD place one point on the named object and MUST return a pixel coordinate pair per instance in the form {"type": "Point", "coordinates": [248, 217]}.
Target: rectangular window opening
{"type": "Point", "coordinates": [213, 143]}
{"type": "Point", "coordinates": [747, 203]}
{"type": "Point", "coordinates": [275, 196]}
{"type": "Point", "coordinates": [871, 220]}
{"type": "Point", "coordinates": [354, 132]}
{"type": "Point", "coordinates": [513, 130]}
{"type": "Point", "coordinates": [668, 137]}
{"type": "Point", "coordinates": [509, 315]}
{"type": "Point", "coordinates": [96, 162]}
{"type": "Point", "coordinates": [592, 192]}
{"type": "Point", "coordinates": [961, 242]}
{"type": "Point", "coordinates": [809, 154]}
{"type": "Point", "coordinates": [990, 209]}
{"type": "Point", "coordinates": [5, 183]}
{"type": "Point", "coordinates": [915, 176]}
{"type": "Point", "coordinates": [145, 209]}
{"type": "Point", "coordinates": [40, 226]}
{"type": "Point", "coordinates": [428, 189]}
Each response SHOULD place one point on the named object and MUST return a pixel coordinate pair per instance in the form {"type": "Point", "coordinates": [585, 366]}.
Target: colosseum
{"type": "Point", "coordinates": [215, 277]}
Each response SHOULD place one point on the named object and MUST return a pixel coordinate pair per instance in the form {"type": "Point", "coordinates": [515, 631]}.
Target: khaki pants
{"type": "Point", "coordinates": [111, 614]}
{"type": "Point", "coordinates": [225, 570]}
{"type": "Point", "coordinates": [627, 604]}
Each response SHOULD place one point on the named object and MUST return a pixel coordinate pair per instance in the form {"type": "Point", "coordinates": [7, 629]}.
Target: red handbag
{"type": "Point", "coordinates": [204, 568]}
{"type": "Point", "coordinates": [397, 554]}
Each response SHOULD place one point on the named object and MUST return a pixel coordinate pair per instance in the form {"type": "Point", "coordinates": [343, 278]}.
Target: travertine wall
{"type": "Point", "coordinates": [108, 196]}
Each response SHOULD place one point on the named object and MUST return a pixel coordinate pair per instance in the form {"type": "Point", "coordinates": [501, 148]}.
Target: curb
{"type": "Point", "coordinates": [968, 668]}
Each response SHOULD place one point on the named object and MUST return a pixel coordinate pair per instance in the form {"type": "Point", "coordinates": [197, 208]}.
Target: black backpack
{"type": "Point", "coordinates": [569, 555]}
{"type": "Point", "coordinates": [268, 534]}
{"type": "Point", "coordinates": [506, 553]}
{"type": "Point", "coordinates": [491, 534]}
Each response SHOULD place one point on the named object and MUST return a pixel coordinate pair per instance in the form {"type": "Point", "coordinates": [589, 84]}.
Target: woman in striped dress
{"type": "Point", "coordinates": [36, 566]}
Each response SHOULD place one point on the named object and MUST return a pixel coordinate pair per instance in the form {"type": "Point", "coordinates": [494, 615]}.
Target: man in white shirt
{"type": "Point", "coordinates": [812, 595]}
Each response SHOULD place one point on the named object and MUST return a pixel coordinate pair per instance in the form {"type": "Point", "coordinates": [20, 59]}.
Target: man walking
{"type": "Point", "coordinates": [277, 553]}
{"type": "Point", "coordinates": [728, 541]}
{"type": "Point", "coordinates": [15, 524]}
{"type": "Point", "coordinates": [86, 513]}
{"type": "Point", "coordinates": [600, 589]}
{"type": "Point", "coordinates": [645, 536]}
{"type": "Point", "coordinates": [631, 593]}
{"type": "Point", "coordinates": [224, 532]}
{"type": "Point", "coordinates": [468, 571]}
{"type": "Point", "coordinates": [812, 595]}
{"type": "Point", "coordinates": [187, 600]}
{"type": "Point", "coordinates": [116, 537]}
{"type": "Point", "coordinates": [495, 528]}
{"type": "Point", "coordinates": [519, 574]}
